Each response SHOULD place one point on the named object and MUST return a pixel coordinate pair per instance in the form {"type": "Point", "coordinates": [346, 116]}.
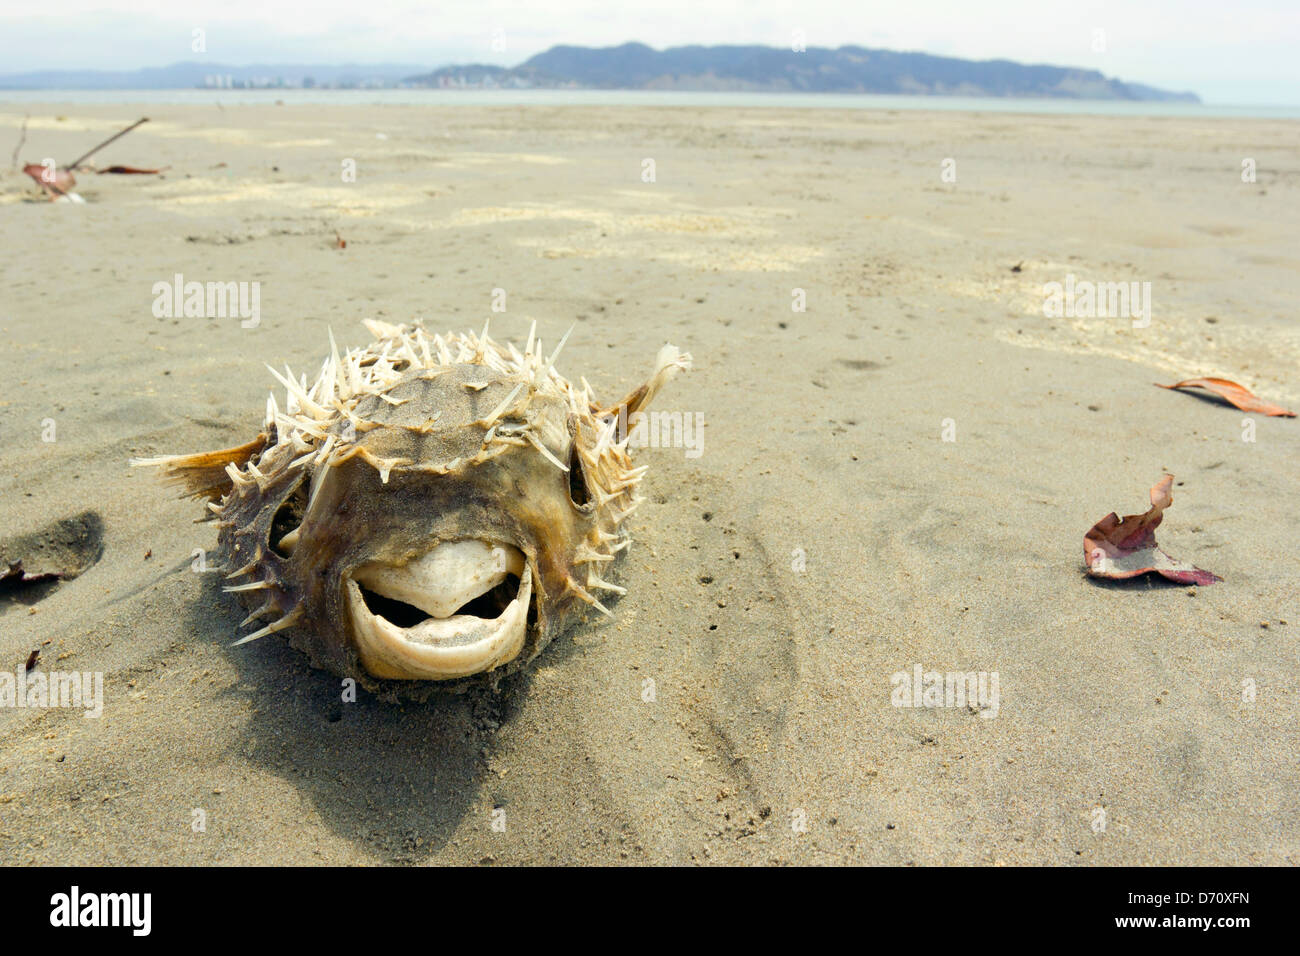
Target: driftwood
{"type": "Point", "coordinates": [113, 138]}
{"type": "Point", "coordinates": [58, 181]}
{"type": "Point", "coordinates": [22, 138]}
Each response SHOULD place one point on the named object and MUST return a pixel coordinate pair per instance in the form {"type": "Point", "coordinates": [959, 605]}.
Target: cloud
{"type": "Point", "coordinates": [1238, 52]}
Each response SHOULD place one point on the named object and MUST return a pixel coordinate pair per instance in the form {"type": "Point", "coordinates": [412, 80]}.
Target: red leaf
{"type": "Point", "coordinates": [1127, 548]}
{"type": "Point", "coordinates": [130, 171]}
{"type": "Point", "coordinates": [1242, 397]}
{"type": "Point", "coordinates": [56, 182]}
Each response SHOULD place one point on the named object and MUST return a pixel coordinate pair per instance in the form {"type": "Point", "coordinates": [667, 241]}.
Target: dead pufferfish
{"type": "Point", "coordinates": [431, 508]}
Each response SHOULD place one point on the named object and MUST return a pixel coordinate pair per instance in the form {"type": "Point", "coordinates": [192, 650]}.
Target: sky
{"type": "Point", "coordinates": [1228, 51]}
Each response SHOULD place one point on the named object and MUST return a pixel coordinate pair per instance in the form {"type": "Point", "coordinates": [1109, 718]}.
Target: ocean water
{"type": "Point", "coordinates": [486, 98]}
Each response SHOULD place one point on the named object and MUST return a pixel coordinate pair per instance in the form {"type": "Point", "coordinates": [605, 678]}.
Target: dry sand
{"type": "Point", "coordinates": [772, 685]}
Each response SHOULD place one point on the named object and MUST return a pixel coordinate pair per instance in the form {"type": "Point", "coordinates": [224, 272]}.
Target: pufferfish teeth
{"type": "Point", "coordinates": [447, 578]}
{"type": "Point", "coordinates": [447, 645]}
{"type": "Point", "coordinates": [439, 649]}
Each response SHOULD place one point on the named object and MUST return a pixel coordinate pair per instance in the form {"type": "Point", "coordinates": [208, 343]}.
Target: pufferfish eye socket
{"type": "Point", "coordinates": [579, 489]}
{"type": "Point", "coordinates": [288, 517]}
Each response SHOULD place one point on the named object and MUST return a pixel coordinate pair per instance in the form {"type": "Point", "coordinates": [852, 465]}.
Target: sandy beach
{"type": "Point", "coordinates": [901, 474]}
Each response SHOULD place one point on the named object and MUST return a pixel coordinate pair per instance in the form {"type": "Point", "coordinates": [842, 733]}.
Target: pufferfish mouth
{"type": "Point", "coordinates": [458, 610]}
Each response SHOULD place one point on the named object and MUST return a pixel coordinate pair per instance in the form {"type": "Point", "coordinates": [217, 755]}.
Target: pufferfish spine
{"type": "Point", "coordinates": [429, 508]}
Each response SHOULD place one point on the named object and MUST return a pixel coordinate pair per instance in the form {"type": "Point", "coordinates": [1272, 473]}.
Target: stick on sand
{"type": "Point", "coordinates": [115, 136]}
{"type": "Point", "coordinates": [22, 138]}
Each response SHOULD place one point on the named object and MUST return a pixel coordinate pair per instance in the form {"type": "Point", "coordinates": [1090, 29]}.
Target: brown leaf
{"type": "Point", "coordinates": [1127, 548]}
{"type": "Point", "coordinates": [1238, 395]}
{"type": "Point", "coordinates": [130, 171]}
{"type": "Point", "coordinates": [16, 577]}
{"type": "Point", "coordinates": [56, 182]}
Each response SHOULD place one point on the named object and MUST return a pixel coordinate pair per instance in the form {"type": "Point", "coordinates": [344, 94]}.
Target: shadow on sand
{"type": "Point", "coordinates": [396, 778]}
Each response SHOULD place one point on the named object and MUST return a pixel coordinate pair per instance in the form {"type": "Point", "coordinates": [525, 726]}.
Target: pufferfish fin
{"type": "Point", "coordinates": [204, 475]}
{"type": "Point", "coordinates": [668, 363]}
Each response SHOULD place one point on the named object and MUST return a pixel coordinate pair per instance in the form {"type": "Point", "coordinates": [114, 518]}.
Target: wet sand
{"type": "Point", "coordinates": [826, 539]}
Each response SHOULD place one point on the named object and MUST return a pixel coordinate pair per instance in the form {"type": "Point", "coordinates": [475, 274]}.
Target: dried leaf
{"type": "Point", "coordinates": [130, 171]}
{"type": "Point", "coordinates": [1238, 395]}
{"type": "Point", "coordinates": [56, 182]}
{"type": "Point", "coordinates": [1127, 548]}
{"type": "Point", "coordinates": [16, 577]}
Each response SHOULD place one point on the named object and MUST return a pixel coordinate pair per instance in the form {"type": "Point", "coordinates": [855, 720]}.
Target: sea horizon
{"type": "Point", "coordinates": [653, 98]}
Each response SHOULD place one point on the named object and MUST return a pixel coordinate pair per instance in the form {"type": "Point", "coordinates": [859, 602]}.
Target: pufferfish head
{"type": "Point", "coordinates": [430, 509]}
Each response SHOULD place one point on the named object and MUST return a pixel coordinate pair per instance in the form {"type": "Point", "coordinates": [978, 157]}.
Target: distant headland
{"type": "Point", "coordinates": [635, 66]}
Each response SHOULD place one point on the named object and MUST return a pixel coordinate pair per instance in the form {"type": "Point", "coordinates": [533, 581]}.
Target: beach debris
{"type": "Point", "coordinates": [16, 578]}
{"type": "Point", "coordinates": [339, 241]}
{"type": "Point", "coordinates": [112, 139]}
{"type": "Point", "coordinates": [56, 182]}
{"type": "Point", "coordinates": [430, 508]}
{"type": "Point", "coordinates": [132, 171]}
{"type": "Point", "coordinates": [1126, 548]}
{"type": "Point", "coordinates": [1018, 266]}
{"type": "Point", "coordinates": [36, 563]}
{"type": "Point", "coordinates": [22, 138]}
{"type": "Point", "coordinates": [32, 658]}
{"type": "Point", "coordinates": [1238, 395]}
